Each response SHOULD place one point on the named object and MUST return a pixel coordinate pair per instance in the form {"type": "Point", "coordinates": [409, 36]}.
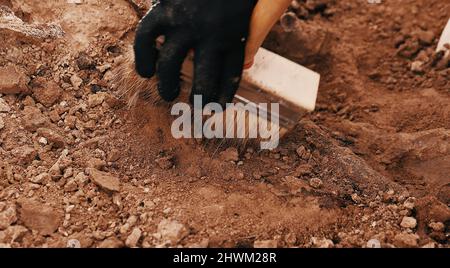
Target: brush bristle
{"type": "Point", "coordinates": [136, 91]}
{"type": "Point", "coordinates": [242, 128]}
{"type": "Point", "coordinates": [131, 86]}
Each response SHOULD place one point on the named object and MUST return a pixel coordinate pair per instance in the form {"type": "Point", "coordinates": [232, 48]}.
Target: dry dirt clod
{"type": "Point", "coordinates": [406, 240]}
{"type": "Point", "coordinates": [131, 221]}
{"type": "Point", "coordinates": [230, 155]}
{"type": "Point", "coordinates": [40, 217]}
{"type": "Point", "coordinates": [7, 217]}
{"type": "Point", "coordinates": [104, 180]}
{"type": "Point", "coordinates": [133, 238]}
{"type": "Point", "coordinates": [4, 107]}
{"type": "Point", "coordinates": [113, 156]}
{"type": "Point", "coordinates": [55, 172]}
{"type": "Point", "coordinates": [42, 178]}
{"type": "Point", "coordinates": [71, 186]}
{"type": "Point", "coordinates": [53, 137]}
{"type": "Point", "coordinates": [13, 26]}
{"type": "Point", "coordinates": [95, 163]}
{"type": "Point", "coordinates": [96, 99]}
{"type": "Point", "coordinates": [33, 119]}
{"type": "Point", "coordinates": [303, 170]}
{"type": "Point", "coordinates": [172, 231]}
{"type": "Point", "coordinates": [194, 171]}
{"type": "Point", "coordinates": [430, 208]}
{"type": "Point", "coordinates": [25, 155]}
{"type": "Point", "coordinates": [409, 203]}
{"type": "Point", "coordinates": [408, 222]}
{"type": "Point", "coordinates": [294, 184]}
{"type": "Point", "coordinates": [13, 80]}
{"type": "Point", "coordinates": [417, 67]}
{"type": "Point", "coordinates": [76, 81]}
{"type": "Point", "coordinates": [47, 94]}
{"type": "Point", "coordinates": [437, 226]}
{"type": "Point", "coordinates": [12, 233]}
{"type": "Point", "coordinates": [426, 37]}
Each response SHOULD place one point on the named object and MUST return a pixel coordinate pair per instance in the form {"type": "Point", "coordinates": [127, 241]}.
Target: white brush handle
{"type": "Point", "coordinates": [284, 79]}
{"type": "Point", "coordinates": [445, 38]}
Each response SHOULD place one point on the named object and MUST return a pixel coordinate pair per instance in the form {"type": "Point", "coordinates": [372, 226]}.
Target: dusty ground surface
{"type": "Point", "coordinates": [369, 168]}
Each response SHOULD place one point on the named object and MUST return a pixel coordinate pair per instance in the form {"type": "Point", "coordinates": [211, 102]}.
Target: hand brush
{"type": "Point", "coordinates": [272, 79]}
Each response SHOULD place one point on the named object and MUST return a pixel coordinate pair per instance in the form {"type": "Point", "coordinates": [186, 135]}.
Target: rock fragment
{"type": "Point", "coordinates": [133, 238]}
{"type": "Point", "coordinates": [406, 240]}
{"type": "Point", "coordinates": [417, 67]}
{"type": "Point", "coordinates": [47, 94]}
{"type": "Point", "coordinates": [7, 217]}
{"type": "Point", "coordinates": [321, 243]}
{"type": "Point", "coordinates": [96, 99]}
{"type": "Point", "coordinates": [25, 155]}
{"type": "Point", "coordinates": [33, 119]}
{"type": "Point", "coordinates": [53, 137]}
{"type": "Point", "coordinates": [13, 80]}
{"type": "Point", "coordinates": [4, 107]}
{"type": "Point", "coordinates": [408, 222]}
{"type": "Point", "coordinates": [172, 231]}
{"type": "Point", "coordinates": [41, 178]}
{"type": "Point", "coordinates": [104, 180]}
{"type": "Point", "coordinates": [12, 234]}
{"type": "Point", "coordinates": [437, 226]}
{"type": "Point", "coordinates": [76, 81]}
{"type": "Point", "coordinates": [40, 217]}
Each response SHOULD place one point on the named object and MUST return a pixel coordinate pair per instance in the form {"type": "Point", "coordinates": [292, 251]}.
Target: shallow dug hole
{"type": "Point", "coordinates": [376, 149]}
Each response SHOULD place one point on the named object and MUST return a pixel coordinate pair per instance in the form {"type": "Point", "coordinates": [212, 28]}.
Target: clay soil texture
{"type": "Point", "coordinates": [369, 168]}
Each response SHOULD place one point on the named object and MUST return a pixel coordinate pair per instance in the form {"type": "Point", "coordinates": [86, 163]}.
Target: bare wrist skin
{"type": "Point", "coordinates": [265, 15]}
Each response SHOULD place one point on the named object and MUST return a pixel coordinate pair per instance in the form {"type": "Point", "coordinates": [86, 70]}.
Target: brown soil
{"type": "Point", "coordinates": [372, 159]}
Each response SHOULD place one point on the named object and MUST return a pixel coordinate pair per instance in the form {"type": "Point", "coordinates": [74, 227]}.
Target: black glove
{"type": "Point", "coordinates": [217, 30]}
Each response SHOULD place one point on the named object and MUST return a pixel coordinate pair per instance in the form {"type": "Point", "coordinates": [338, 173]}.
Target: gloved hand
{"type": "Point", "coordinates": [217, 30]}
